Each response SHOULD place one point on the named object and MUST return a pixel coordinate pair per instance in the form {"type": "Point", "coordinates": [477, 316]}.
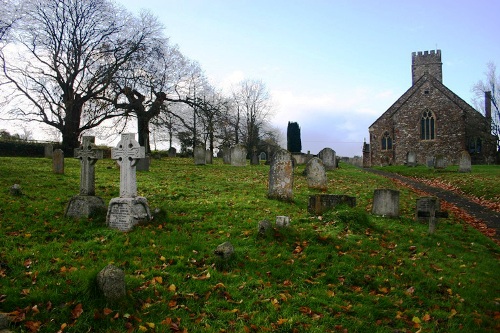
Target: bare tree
{"type": "Point", "coordinates": [491, 85]}
{"type": "Point", "coordinates": [69, 52]}
{"type": "Point", "coordinates": [253, 106]}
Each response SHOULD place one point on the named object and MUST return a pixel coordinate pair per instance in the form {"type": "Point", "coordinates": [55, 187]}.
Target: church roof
{"type": "Point", "coordinates": [463, 105]}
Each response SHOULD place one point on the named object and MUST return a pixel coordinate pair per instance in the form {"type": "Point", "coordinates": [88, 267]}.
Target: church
{"type": "Point", "coordinates": [429, 120]}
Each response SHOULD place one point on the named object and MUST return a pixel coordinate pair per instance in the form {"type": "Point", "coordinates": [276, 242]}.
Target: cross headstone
{"type": "Point", "coordinates": [127, 154]}
{"type": "Point", "coordinates": [88, 154]}
{"type": "Point", "coordinates": [428, 210]}
{"type": "Point", "coordinates": [58, 162]}
{"type": "Point", "coordinates": [129, 209]}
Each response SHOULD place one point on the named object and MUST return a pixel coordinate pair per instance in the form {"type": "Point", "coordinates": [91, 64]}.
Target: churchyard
{"type": "Point", "coordinates": [344, 271]}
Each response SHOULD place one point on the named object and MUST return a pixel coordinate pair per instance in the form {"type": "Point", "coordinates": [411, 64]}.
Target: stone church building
{"type": "Point", "coordinates": [429, 120]}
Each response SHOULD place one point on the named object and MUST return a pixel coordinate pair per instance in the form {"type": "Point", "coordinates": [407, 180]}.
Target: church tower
{"type": "Point", "coordinates": [428, 62]}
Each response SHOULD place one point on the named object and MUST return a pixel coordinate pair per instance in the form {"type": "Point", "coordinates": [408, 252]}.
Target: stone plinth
{"type": "Point", "coordinates": [320, 203]}
{"type": "Point", "coordinates": [125, 213]}
{"type": "Point", "coordinates": [281, 176]}
{"type": "Point", "coordinates": [386, 202]}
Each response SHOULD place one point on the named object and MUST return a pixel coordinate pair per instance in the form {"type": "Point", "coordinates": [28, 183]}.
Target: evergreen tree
{"type": "Point", "coordinates": [293, 142]}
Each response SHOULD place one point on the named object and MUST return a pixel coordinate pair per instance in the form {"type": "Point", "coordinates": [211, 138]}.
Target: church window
{"type": "Point", "coordinates": [475, 145]}
{"type": "Point", "coordinates": [386, 141]}
{"type": "Point", "coordinates": [427, 126]}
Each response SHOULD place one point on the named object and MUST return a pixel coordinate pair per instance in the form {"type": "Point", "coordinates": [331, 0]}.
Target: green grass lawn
{"type": "Point", "coordinates": [346, 271]}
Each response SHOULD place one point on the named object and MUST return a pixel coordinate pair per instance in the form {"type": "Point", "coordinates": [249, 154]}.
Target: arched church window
{"type": "Point", "coordinates": [386, 141]}
{"type": "Point", "coordinates": [427, 126]}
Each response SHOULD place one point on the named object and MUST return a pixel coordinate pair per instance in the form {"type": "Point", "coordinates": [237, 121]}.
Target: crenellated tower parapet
{"type": "Point", "coordinates": [427, 62]}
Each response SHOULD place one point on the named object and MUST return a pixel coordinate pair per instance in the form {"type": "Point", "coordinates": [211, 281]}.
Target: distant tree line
{"type": "Point", "coordinates": [90, 67]}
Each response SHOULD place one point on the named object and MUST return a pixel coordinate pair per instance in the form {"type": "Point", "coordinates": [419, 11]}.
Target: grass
{"type": "Point", "coordinates": [344, 271]}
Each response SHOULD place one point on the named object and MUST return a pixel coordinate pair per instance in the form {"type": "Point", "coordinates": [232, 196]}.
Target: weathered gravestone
{"type": "Point", "coordinates": [320, 203]}
{"type": "Point", "coordinates": [440, 162]}
{"type": "Point", "coordinates": [263, 227]}
{"type": "Point", "coordinates": [281, 176]}
{"type": "Point", "coordinates": [411, 159]}
{"type": "Point", "coordinates": [172, 152]}
{"type": "Point", "coordinates": [465, 163]}
{"type": "Point", "coordinates": [86, 203]}
{"type": "Point", "coordinates": [328, 157]}
{"type": "Point", "coordinates": [282, 221]}
{"type": "Point", "coordinates": [226, 155]}
{"type": "Point", "coordinates": [262, 156]}
{"type": "Point", "coordinates": [255, 157]}
{"type": "Point", "coordinates": [386, 202]}
{"type": "Point", "coordinates": [316, 174]}
{"type": "Point", "coordinates": [239, 155]}
{"type": "Point", "coordinates": [208, 157]}
{"type": "Point", "coordinates": [144, 163]}
{"type": "Point", "coordinates": [48, 150]}
{"type": "Point", "coordinates": [430, 161]}
{"type": "Point", "coordinates": [224, 250]}
{"type": "Point", "coordinates": [428, 209]}
{"type": "Point", "coordinates": [129, 209]}
{"type": "Point", "coordinates": [111, 282]}
{"type": "Point", "coordinates": [58, 162]}
{"type": "Point", "coordinates": [200, 155]}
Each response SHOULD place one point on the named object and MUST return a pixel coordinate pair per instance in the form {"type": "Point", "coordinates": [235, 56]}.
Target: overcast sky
{"type": "Point", "coordinates": [332, 66]}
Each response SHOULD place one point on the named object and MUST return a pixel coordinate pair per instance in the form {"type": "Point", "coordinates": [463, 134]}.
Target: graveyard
{"type": "Point", "coordinates": [346, 270]}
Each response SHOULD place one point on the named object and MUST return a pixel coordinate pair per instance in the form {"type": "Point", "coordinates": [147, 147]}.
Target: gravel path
{"type": "Point", "coordinates": [489, 217]}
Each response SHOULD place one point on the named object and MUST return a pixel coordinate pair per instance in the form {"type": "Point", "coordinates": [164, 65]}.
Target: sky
{"type": "Point", "coordinates": [331, 66]}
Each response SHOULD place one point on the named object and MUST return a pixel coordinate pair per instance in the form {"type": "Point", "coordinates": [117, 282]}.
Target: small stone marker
{"type": "Point", "coordinates": [239, 155]}
{"type": "Point", "coordinates": [111, 282]}
{"type": "Point", "coordinates": [281, 176]}
{"type": "Point", "coordinates": [411, 159]}
{"type": "Point", "coordinates": [208, 157]}
{"type": "Point", "coordinates": [263, 227]}
{"type": "Point", "coordinates": [440, 162]}
{"type": "Point", "coordinates": [226, 154]}
{"type": "Point", "coordinates": [386, 202]}
{"type": "Point", "coordinates": [86, 203]}
{"type": "Point", "coordinates": [48, 150]}
{"type": "Point", "coordinates": [430, 161]}
{"type": "Point", "coordinates": [58, 162]}
{"type": "Point", "coordinates": [200, 155]}
{"type": "Point", "coordinates": [224, 250]}
{"type": "Point", "coordinates": [255, 157]}
{"type": "Point", "coordinates": [428, 209]}
{"type": "Point", "coordinates": [328, 157]}
{"type": "Point", "coordinates": [320, 203]}
{"type": "Point", "coordinates": [316, 174]}
{"type": "Point", "coordinates": [129, 209]}
{"type": "Point", "coordinates": [172, 152]}
{"type": "Point", "coordinates": [282, 221]}
{"type": "Point", "coordinates": [465, 163]}
{"type": "Point", "coordinates": [15, 190]}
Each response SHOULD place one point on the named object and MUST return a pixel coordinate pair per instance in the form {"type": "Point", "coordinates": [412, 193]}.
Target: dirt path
{"type": "Point", "coordinates": [487, 216]}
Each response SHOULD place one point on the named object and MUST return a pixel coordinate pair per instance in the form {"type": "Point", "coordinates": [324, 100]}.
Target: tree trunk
{"type": "Point", "coordinates": [143, 129]}
{"type": "Point", "coordinates": [71, 129]}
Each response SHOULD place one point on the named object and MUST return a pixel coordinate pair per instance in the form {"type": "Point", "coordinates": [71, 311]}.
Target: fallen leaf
{"type": "Point", "coordinates": [77, 311]}
{"type": "Point", "coordinates": [33, 326]}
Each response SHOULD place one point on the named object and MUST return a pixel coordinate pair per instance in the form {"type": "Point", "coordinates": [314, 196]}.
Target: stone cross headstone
{"type": "Point", "coordinates": [200, 155]}
{"type": "Point", "coordinates": [316, 174]}
{"type": "Point", "coordinates": [129, 209]}
{"type": "Point", "coordinates": [428, 209]}
{"type": "Point", "coordinates": [411, 159]}
{"type": "Point", "coordinates": [328, 157]}
{"type": "Point", "coordinates": [172, 152]}
{"type": "Point", "coordinates": [239, 155]}
{"type": "Point", "coordinates": [281, 176]}
{"type": "Point", "coordinates": [465, 163]}
{"type": "Point", "coordinates": [58, 162]}
{"type": "Point", "coordinates": [86, 203]}
{"type": "Point", "coordinates": [386, 202]}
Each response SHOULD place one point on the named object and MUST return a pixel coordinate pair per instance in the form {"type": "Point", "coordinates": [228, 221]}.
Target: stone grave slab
{"type": "Point", "coordinates": [281, 176]}
{"type": "Point", "coordinates": [321, 203]}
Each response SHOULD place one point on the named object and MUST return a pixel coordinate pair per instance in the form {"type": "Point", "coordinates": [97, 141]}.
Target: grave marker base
{"type": "Point", "coordinates": [125, 213]}
{"type": "Point", "coordinates": [83, 206]}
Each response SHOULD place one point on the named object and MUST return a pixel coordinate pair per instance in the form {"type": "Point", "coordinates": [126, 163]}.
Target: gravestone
{"type": "Point", "coordinates": [440, 162]}
{"type": "Point", "coordinates": [316, 174]}
{"type": "Point", "coordinates": [465, 163]}
{"type": "Point", "coordinates": [111, 282]}
{"type": "Point", "coordinates": [262, 156]}
{"type": "Point", "coordinates": [430, 161]}
{"type": "Point", "coordinates": [386, 202]}
{"type": "Point", "coordinates": [48, 150]}
{"type": "Point", "coordinates": [239, 155]}
{"type": "Point", "coordinates": [426, 206]}
{"type": "Point", "coordinates": [58, 162]}
{"type": "Point", "coordinates": [329, 158]}
{"type": "Point", "coordinates": [226, 155]}
{"type": "Point", "coordinates": [320, 203]}
{"type": "Point", "coordinates": [411, 159]}
{"type": "Point", "coordinates": [255, 157]}
{"type": "Point", "coordinates": [86, 203]}
{"type": "Point", "coordinates": [15, 190]}
{"type": "Point", "coordinates": [281, 176]}
{"type": "Point", "coordinates": [263, 227]}
{"type": "Point", "coordinates": [282, 221]}
{"type": "Point", "coordinates": [144, 163]}
{"type": "Point", "coordinates": [200, 155]}
{"type": "Point", "coordinates": [208, 157]}
{"type": "Point", "coordinates": [385, 161]}
{"type": "Point", "coordinates": [172, 152]}
{"type": "Point", "coordinates": [129, 209]}
{"type": "Point", "coordinates": [224, 250]}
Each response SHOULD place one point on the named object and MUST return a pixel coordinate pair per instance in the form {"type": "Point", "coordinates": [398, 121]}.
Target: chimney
{"type": "Point", "coordinates": [487, 105]}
